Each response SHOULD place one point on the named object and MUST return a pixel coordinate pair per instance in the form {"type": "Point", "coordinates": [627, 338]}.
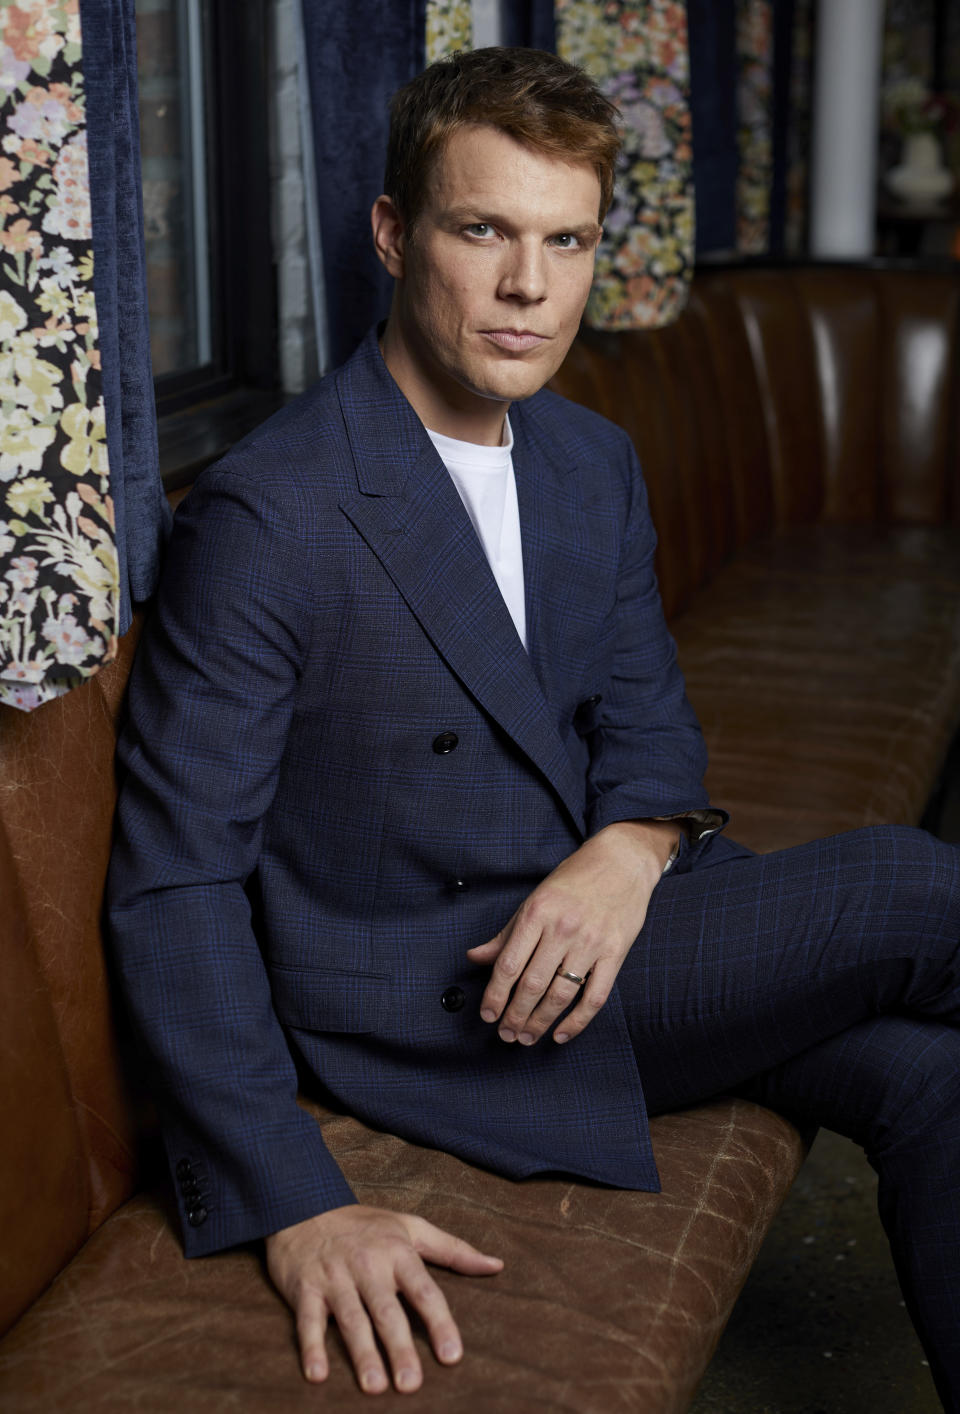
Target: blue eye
{"type": "Point", "coordinates": [566, 240]}
{"type": "Point", "coordinates": [480, 228]}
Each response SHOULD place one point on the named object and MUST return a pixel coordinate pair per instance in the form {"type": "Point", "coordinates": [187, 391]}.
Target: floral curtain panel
{"type": "Point", "coordinates": [449, 27]}
{"type": "Point", "coordinates": [64, 572]}
{"type": "Point", "coordinates": [755, 112]}
{"type": "Point", "coordinates": [637, 51]}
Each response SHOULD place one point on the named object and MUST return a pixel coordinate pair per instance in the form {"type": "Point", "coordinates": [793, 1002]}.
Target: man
{"type": "Point", "coordinates": [413, 791]}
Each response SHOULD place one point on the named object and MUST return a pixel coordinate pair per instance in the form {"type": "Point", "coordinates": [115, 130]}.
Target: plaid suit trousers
{"type": "Point", "coordinates": [824, 981]}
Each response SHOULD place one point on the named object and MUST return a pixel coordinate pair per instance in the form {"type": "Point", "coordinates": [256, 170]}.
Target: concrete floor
{"type": "Point", "coordinates": [820, 1327]}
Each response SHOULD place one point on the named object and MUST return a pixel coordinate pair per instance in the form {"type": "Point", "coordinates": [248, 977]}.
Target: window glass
{"type": "Point", "coordinates": [171, 63]}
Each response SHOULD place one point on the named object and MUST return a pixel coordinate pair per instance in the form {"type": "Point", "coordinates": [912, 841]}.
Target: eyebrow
{"type": "Point", "coordinates": [475, 215]}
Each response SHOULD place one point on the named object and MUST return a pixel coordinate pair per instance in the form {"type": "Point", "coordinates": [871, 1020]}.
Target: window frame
{"type": "Point", "coordinates": [201, 412]}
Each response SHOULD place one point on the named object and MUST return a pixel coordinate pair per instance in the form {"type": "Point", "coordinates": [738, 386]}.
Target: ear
{"type": "Point", "coordinates": [388, 235]}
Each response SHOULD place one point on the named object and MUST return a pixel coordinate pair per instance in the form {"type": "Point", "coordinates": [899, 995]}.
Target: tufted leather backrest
{"type": "Point", "coordinates": [66, 1133]}
{"type": "Point", "coordinates": [782, 396]}
{"type": "Point", "coordinates": [43, 1176]}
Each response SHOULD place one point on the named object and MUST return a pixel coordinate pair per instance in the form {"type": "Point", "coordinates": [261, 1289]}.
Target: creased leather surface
{"type": "Point", "coordinates": [609, 1300]}
{"type": "Point", "coordinates": [43, 1193]}
{"type": "Point", "coordinates": [824, 665]}
{"type": "Point", "coordinates": [57, 797]}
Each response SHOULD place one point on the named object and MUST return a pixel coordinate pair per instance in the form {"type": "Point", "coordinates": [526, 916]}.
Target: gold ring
{"type": "Point", "coordinates": [570, 976]}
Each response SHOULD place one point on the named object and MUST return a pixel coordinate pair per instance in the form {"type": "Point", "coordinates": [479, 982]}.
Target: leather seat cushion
{"type": "Point", "coordinates": [824, 665]}
{"type": "Point", "coordinates": [608, 1299]}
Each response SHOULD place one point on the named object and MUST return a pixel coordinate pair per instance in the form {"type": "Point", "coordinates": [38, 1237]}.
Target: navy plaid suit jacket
{"type": "Point", "coordinates": [291, 848]}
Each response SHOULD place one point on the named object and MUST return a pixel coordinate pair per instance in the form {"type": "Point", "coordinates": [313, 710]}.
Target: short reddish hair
{"type": "Point", "coordinates": [534, 97]}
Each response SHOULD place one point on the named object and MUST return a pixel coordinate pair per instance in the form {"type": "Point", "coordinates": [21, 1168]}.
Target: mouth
{"type": "Point", "coordinates": [515, 340]}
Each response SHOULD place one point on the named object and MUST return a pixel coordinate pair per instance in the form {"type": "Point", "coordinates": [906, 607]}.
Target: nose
{"type": "Point", "coordinates": [524, 277]}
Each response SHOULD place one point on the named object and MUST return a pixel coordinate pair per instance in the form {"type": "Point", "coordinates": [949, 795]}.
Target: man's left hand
{"type": "Point", "coordinates": [582, 919]}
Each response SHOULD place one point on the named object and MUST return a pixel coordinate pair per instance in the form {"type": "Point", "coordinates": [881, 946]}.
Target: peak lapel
{"type": "Point", "coordinates": [411, 516]}
{"type": "Point", "coordinates": [563, 560]}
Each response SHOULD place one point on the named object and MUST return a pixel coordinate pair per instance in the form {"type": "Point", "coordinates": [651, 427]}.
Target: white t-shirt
{"type": "Point", "coordinates": [484, 477]}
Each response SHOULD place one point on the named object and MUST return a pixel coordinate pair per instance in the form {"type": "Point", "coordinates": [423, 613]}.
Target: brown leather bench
{"type": "Point", "coordinates": [799, 434]}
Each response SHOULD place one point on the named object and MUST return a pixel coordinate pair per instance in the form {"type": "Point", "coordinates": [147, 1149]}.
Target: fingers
{"type": "Point", "coordinates": [390, 1321]}
{"type": "Point", "coordinates": [371, 1308]}
{"type": "Point", "coordinates": [357, 1265]}
{"type": "Point", "coordinates": [519, 941]}
{"type": "Point", "coordinates": [312, 1315]}
{"type": "Point", "coordinates": [429, 1302]}
{"type": "Point", "coordinates": [445, 1250]}
{"type": "Point", "coordinates": [356, 1328]}
{"type": "Point", "coordinates": [487, 952]}
{"type": "Point", "coordinates": [557, 998]}
{"type": "Point", "coordinates": [595, 994]}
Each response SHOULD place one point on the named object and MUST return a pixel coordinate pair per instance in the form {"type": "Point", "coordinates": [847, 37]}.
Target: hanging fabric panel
{"type": "Point", "coordinates": [637, 51]}
{"type": "Point", "coordinates": [783, 33]}
{"type": "Point", "coordinates": [120, 277]}
{"type": "Point", "coordinates": [755, 107]}
{"type": "Point", "coordinates": [64, 586]}
{"type": "Point", "coordinates": [449, 27]}
{"type": "Point", "coordinates": [357, 56]}
{"type": "Point", "coordinates": [713, 104]}
{"type": "Point", "coordinates": [798, 133]}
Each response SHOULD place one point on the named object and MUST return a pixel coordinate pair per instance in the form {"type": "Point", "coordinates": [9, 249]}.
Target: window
{"type": "Point", "coordinates": [203, 73]}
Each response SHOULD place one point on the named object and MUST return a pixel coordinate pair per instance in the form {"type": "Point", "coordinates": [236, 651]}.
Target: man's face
{"type": "Point", "coordinates": [492, 283]}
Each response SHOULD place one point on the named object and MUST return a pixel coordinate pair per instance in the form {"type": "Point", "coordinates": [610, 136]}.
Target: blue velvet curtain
{"type": "Point", "coordinates": [357, 56]}
{"type": "Point", "coordinates": [784, 17]}
{"type": "Point", "coordinates": [713, 103]}
{"type": "Point", "coordinates": [120, 283]}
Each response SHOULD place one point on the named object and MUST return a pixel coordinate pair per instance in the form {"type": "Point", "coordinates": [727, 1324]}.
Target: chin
{"type": "Point", "coordinates": [512, 385]}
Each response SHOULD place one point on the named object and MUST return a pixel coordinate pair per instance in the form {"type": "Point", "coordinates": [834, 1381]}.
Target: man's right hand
{"type": "Point", "coordinates": [353, 1264]}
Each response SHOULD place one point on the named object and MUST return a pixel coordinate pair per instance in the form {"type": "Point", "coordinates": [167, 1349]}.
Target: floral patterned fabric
{"type": "Point", "coordinates": [449, 27]}
{"type": "Point", "coordinates": [637, 51]}
{"type": "Point", "coordinates": [59, 574]}
{"type": "Point", "coordinates": [755, 112]}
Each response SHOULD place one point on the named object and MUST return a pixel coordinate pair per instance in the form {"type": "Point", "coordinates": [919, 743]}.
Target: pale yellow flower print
{"type": "Point", "coordinates": [22, 443]}
{"type": "Point", "coordinates": [449, 27]}
{"type": "Point", "coordinates": [96, 573]}
{"type": "Point", "coordinates": [86, 449]}
{"type": "Point", "coordinates": [12, 317]}
{"type": "Point", "coordinates": [28, 497]}
{"type": "Point", "coordinates": [31, 383]}
{"type": "Point", "coordinates": [58, 529]}
{"type": "Point", "coordinates": [637, 51]}
{"type": "Point", "coordinates": [53, 299]}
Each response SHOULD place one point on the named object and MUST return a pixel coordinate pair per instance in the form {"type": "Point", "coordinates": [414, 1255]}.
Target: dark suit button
{"type": "Point", "coordinates": [184, 1169]}
{"type": "Point", "coordinates": [459, 886]}
{"type": "Point", "coordinates": [190, 1190]}
{"type": "Point", "coordinates": [453, 999]}
{"type": "Point", "coordinates": [196, 1217]}
{"type": "Point", "coordinates": [445, 743]}
{"type": "Point", "coordinates": [589, 702]}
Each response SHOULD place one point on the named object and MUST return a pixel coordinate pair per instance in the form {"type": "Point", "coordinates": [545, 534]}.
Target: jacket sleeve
{"type": "Point", "coordinates": [647, 753]}
{"type": "Point", "coordinates": [210, 702]}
